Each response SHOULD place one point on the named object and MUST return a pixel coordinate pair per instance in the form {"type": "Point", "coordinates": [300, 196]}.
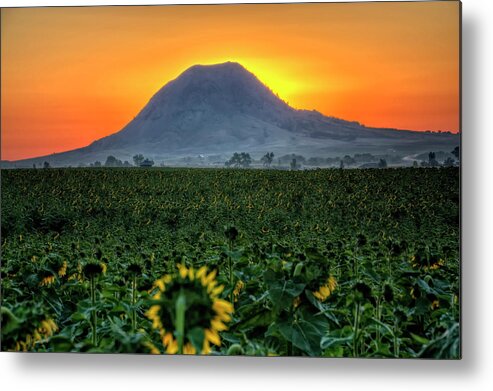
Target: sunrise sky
{"type": "Point", "coordinates": [73, 75]}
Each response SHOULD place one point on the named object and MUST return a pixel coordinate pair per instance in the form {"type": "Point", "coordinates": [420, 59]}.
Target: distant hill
{"type": "Point", "coordinates": [223, 108]}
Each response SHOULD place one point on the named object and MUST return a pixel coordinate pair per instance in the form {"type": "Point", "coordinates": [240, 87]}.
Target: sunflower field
{"type": "Point", "coordinates": [331, 263]}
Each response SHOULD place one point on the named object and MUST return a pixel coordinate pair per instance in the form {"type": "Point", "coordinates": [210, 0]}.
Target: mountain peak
{"type": "Point", "coordinates": [225, 107]}
{"type": "Point", "coordinates": [218, 66]}
{"type": "Point", "coordinates": [212, 90]}
{"type": "Point", "coordinates": [226, 72]}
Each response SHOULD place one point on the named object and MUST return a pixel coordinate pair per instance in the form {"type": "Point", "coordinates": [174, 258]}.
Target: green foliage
{"type": "Point", "coordinates": [83, 247]}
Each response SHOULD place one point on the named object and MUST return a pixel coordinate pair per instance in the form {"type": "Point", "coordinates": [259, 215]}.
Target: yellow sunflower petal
{"type": "Point", "coordinates": [318, 295]}
{"type": "Point", "coordinates": [36, 336]}
{"type": "Point", "coordinates": [218, 325]}
{"type": "Point", "coordinates": [218, 290]}
{"type": "Point", "coordinates": [206, 347]}
{"type": "Point", "coordinates": [324, 291]}
{"type": "Point", "coordinates": [152, 349]}
{"type": "Point", "coordinates": [46, 326]}
{"type": "Point", "coordinates": [182, 269]}
{"type": "Point", "coordinates": [224, 316]}
{"type": "Point", "coordinates": [189, 349]}
{"type": "Point", "coordinates": [167, 339]}
{"type": "Point", "coordinates": [211, 285]}
{"type": "Point", "coordinates": [213, 337]}
{"type": "Point", "coordinates": [201, 272]}
{"type": "Point", "coordinates": [172, 347]}
{"type": "Point", "coordinates": [53, 325]}
{"type": "Point", "coordinates": [160, 284]}
{"type": "Point", "coordinates": [332, 282]}
{"type": "Point", "coordinates": [221, 306]}
{"type": "Point", "coordinates": [206, 280]}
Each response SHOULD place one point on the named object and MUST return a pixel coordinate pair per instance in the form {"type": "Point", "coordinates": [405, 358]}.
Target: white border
{"type": "Point", "coordinates": [474, 372]}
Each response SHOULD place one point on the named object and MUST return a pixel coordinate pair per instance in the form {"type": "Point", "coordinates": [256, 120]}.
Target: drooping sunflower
{"type": "Point", "coordinates": [94, 269]}
{"type": "Point", "coordinates": [238, 288]}
{"type": "Point", "coordinates": [79, 276]}
{"type": "Point", "coordinates": [47, 279]}
{"type": "Point", "coordinates": [45, 329]}
{"type": "Point", "coordinates": [206, 314]}
{"type": "Point", "coordinates": [326, 289]}
{"type": "Point", "coordinates": [63, 269]}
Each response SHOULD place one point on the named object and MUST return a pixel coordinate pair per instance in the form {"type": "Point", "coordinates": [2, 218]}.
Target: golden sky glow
{"type": "Point", "coordinates": [73, 75]}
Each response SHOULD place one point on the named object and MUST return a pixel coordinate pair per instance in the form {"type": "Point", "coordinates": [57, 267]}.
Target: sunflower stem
{"type": "Point", "coordinates": [379, 315]}
{"type": "Point", "coordinates": [230, 267]}
{"type": "Point", "coordinates": [180, 320]}
{"type": "Point", "coordinates": [356, 330]}
{"type": "Point", "coordinates": [134, 299]}
{"type": "Point", "coordinates": [396, 342]}
{"type": "Point", "coordinates": [94, 315]}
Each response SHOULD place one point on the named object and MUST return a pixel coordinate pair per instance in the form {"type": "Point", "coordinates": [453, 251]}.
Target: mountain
{"type": "Point", "coordinates": [223, 108]}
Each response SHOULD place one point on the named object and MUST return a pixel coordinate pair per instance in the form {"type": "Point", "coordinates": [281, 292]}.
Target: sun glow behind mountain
{"type": "Point", "coordinates": [72, 75]}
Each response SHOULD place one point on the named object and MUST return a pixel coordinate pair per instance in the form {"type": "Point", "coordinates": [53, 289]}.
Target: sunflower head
{"type": "Point", "coordinates": [326, 289]}
{"type": "Point", "coordinates": [238, 288]}
{"type": "Point", "coordinates": [94, 269]}
{"type": "Point", "coordinates": [62, 271]}
{"type": "Point", "coordinates": [206, 314]}
{"type": "Point", "coordinates": [135, 268]}
{"type": "Point", "coordinates": [231, 233]}
{"type": "Point", "coordinates": [45, 329]}
{"type": "Point", "coordinates": [47, 278]}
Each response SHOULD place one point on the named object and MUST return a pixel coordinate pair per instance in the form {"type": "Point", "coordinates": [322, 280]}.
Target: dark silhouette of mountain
{"type": "Point", "coordinates": [211, 109]}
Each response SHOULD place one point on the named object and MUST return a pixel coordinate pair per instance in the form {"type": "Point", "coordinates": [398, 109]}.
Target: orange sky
{"type": "Point", "coordinates": [72, 75]}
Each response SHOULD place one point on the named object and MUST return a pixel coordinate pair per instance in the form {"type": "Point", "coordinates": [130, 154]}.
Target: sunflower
{"type": "Point", "coordinates": [238, 288]}
{"type": "Point", "coordinates": [47, 280]}
{"type": "Point", "coordinates": [325, 290]}
{"type": "Point", "coordinates": [46, 329]}
{"type": "Point", "coordinates": [152, 348]}
{"type": "Point", "coordinates": [78, 275]}
{"type": "Point", "coordinates": [435, 265]}
{"type": "Point", "coordinates": [205, 313]}
{"type": "Point", "coordinates": [93, 269]}
{"type": "Point", "coordinates": [63, 270]}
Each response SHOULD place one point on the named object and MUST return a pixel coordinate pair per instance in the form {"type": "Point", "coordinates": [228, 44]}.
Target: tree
{"type": "Point", "coordinates": [449, 162]}
{"type": "Point", "coordinates": [382, 163]}
{"type": "Point", "coordinates": [239, 160]}
{"type": "Point", "coordinates": [456, 152]}
{"type": "Point", "coordinates": [432, 160]}
{"type": "Point", "coordinates": [234, 161]}
{"type": "Point", "coordinates": [46, 165]}
{"type": "Point", "coordinates": [139, 158]}
{"type": "Point", "coordinates": [97, 163]}
{"type": "Point", "coordinates": [246, 160]}
{"type": "Point", "coordinates": [348, 160]}
{"type": "Point", "coordinates": [293, 164]}
{"type": "Point", "coordinates": [267, 159]}
{"type": "Point", "coordinates": [341, 165]}
{"type": "Point", "coordinates": [112, 161]}
{"type": "Point", "coordinates": [147, 163]}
